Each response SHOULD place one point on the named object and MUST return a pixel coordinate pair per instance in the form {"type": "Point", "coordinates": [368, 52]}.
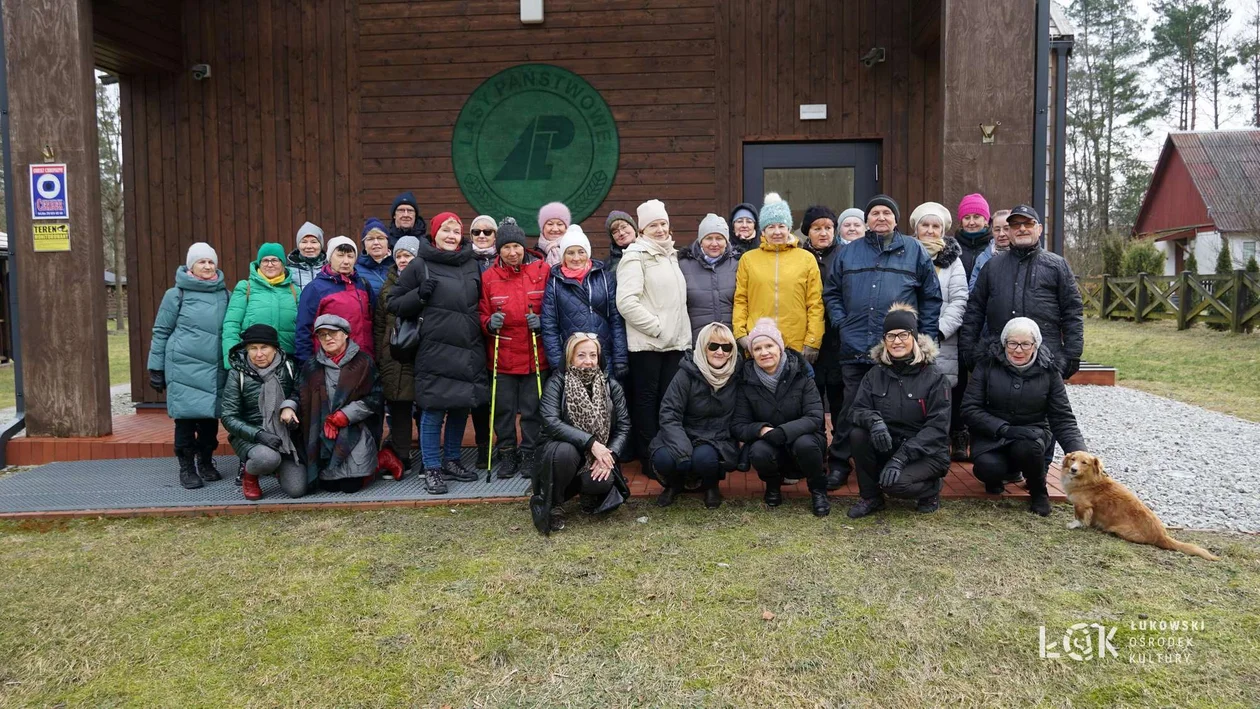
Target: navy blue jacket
{"type": "Point", "coordinates": [372, 272]}
{"type": "Point", "coordinates": [864, 282]}
{"type": "Point", "coordinates": [589, 306]}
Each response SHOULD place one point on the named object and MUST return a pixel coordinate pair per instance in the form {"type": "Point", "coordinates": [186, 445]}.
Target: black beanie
{"type": "Point", "coordinates": [260, 334]}
{"type": "Point", "coordinates": [901, 317]}
{"type": "Point", "coordinates": [814, 213]}
{"type": "Point", "coordinates": [886, 201]}
{"type": "Point", "coordinates": [509, 233]}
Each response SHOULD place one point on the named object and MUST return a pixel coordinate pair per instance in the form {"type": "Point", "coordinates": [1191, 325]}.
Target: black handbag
{"type": "Point", "coordinates": [404, 339]}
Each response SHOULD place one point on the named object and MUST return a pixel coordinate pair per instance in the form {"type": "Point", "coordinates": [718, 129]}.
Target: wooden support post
{"type": "Point", "coordinates": [52, 103]}
{"type": "Point", "coordinates": [1238, 308]}
{"type": "Point", "coordinates": [1104, 299]}
{"type": "Point", "coordinates": [1184, 293]}
{"type": "Point", "coordinates": [1140, 299]}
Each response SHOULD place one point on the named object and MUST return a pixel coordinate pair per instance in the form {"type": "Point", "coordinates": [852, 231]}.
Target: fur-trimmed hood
{"type": "Point", "coordinates": [949, 254]}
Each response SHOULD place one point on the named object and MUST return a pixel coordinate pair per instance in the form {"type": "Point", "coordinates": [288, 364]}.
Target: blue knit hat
{"type": "Point", "coordinates": [373, 223]}
{"type": "Point", "coordinates": [774, 211]}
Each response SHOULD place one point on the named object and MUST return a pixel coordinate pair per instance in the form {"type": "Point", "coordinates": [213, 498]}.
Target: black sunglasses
{"type": "Point", "coordinates": [724, 346]}
{"type": "Point", "coordinates": [479, 232]}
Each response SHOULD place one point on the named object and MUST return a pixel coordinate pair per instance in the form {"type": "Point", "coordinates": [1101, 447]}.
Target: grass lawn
{"type": "Point", "coordinates": [119, 367]}
{"type": "Point", "coordinates": [742, 607]}
{"type": "Point", "coordinates": [1215, 370]}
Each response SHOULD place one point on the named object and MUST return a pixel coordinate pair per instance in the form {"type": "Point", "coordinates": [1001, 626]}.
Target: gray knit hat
{"type": "Point", "coordinates": [617, 215]}
{"type": "Point", "coordinates": [410, 244]}
{"type": "Point", "coordinates": [713, 224]}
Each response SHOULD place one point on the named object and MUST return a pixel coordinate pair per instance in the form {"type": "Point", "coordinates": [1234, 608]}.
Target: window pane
{"type": "Point", "coordinates": [803, 186]}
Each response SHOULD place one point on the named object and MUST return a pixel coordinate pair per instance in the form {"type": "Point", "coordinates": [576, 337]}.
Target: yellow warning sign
{"type": "Point", "coordinates": [52, 237]}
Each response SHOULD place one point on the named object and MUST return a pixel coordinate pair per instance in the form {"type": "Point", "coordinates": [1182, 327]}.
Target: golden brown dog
{"type": "Point", "coordinates": [1102, 502]}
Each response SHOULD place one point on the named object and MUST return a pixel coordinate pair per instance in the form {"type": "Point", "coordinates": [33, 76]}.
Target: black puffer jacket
{"type": "Point", "coordinates": [972, 245]}
{"type": "Point", "coordinates": [999, 394]}
{"type": "Point", "coordinates": [693, 413]}
{"type": "Point", "coordinates": [740, 246]}
{"type": "Point", "coordinates": [829, 353]}
{"type": "Point", "coordinates": [1031, 283]}
{"type": "Point", "coordinates": [450, 366]}
{"type": "Point", "coordinates": [556, 426]}
{"type": "Point", "coordinates": [912, 400]}
{"type": "Point", "coordinates": [710, 287]}
{"type": "Point", "coordinates": [398, 380]}
{"type": "Point", "coordinates": [793, 406]}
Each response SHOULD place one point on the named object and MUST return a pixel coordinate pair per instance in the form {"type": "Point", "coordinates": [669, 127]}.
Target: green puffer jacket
{"type": "Point", "coordinates": [187, 342]}
{"type": "Point", "coordinates": [241, 416]}
{"type": "Point", "coordinates": [398, 380]}
{"type": "Point", "coordinates": [254, 302]}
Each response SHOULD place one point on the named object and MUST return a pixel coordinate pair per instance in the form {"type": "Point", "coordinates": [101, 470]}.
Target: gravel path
{"type": "Point", "coordinates": [1192, 466]}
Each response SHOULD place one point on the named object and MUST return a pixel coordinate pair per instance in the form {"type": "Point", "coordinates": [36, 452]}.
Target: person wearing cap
{"type": "Point", "coordinates": [339, 290]}
{"type": "Point", "coordinates": [398, 383]}
{"type": "Point", "coordinates": [745, 233]}
{"type": "Point", "coordinates": [867, 277]}
{"type": "Point", "coordinates": [779, 417]}
{"type": "Point", "coordinates": [442, 286]}
{"type": "Point", "coordinates": [930, 221]}
{"type": "Point", "coordinates": [262, 378]}
{"type": "Point", "coordinates": [819, 228]}
{"type": "Point", "coordinates": [1016, 406]}
{"type": "Point", "coordinates": [622, 231]}
{"type": "Point", "coordinates": [1001, 242]}
{"type": "Point", "coordinates": [405, 219]}
{"type": "Point", "coordinates": [652, 297]}
{"type": "Point", "coordinates": [553, 220]}
{"type": "Point", "coordinates": [483, 231]}
{"type": "Point", "coordinates": [694, 445]}
{"type": "Point", "coordinates": [308, 258]}
{"type": "Point", "coordinates": [586, 433]}
{"type": "Point", "coordinates": [337, 406]}
{"type": "Point", "coordinates": [1027, 281]}
{"type": "Point", "coordinates": [266, 297]}
{"type": "Point", "coordinates": [708, 266]}
{"type": "Point", "coordinates": [376, 260]}
{"type": "Point", "coordinates": [900, 417]}
{"type": "Point", "coordinates": [781, 281]}
{"type": "Point", "coordinates": [851, 225]}
{"type": "Point", "coordinates": [581, 296]}
{"type": "Point", "coordinates": [186, 361]}
{"type": "Point", "coordinates": [974, 235]}
{"type": "Point", "coordinates": [511, 312]}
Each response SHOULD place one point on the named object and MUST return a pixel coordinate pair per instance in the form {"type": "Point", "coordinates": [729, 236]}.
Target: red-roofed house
{"type": "Point", "coordinates": [1206, 186]}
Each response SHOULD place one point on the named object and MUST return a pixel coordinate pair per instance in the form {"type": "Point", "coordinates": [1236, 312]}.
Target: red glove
{"type": "Point", "coordinates": [335, 421]}
{"type": "Point", "coordinates": [387, 462]}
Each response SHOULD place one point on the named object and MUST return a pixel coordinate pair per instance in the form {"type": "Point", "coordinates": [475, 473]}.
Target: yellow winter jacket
{"type": "Point", "coordinates": [780, 281]}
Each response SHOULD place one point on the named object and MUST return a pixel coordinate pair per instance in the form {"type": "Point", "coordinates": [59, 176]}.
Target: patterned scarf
{"type": "Point", "coordinates": [588, 406]}
{"type": "Point", "coordinates": [270, 396]}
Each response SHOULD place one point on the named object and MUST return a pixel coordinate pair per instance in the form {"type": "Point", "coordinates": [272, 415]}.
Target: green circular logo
{"type": "Point", "coordinates": [534, 134]}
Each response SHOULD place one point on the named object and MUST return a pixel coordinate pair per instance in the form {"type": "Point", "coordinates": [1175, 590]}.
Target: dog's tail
{"type": "Point", "coordinates": [1185, 548]}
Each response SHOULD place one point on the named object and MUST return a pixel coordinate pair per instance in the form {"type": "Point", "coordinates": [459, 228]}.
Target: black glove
{"type": "Point", "coordinates": [891, 473]}
{"type": "Point", "coordinates": [1073, 366]}
{"type": "Point", "coordinates": [157, 379]}
{"type": "Point", "coordinates": [496, 322]}
{"type": "Point", "coordinates": [427, 288]}
{"type": "Point", "coordinates": [775, 437]}
{"type": "Point", "coordinates": [270, 440]}
{"type": "Point", "coordinates": [621, 371]}
{"type": "Point", "coordinates": [533, 322]}
{"type": "Point", "coordinates": [1024, 433]}
{"type": "Point", "coordinates": [880, 437]}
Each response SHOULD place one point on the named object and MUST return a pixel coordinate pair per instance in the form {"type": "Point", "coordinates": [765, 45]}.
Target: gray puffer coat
{"type": "Point", "coordinates": [710, 286]}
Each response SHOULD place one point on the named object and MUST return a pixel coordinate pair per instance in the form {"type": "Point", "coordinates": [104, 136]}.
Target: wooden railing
{"type": "Point", "coordinates": [1229, 302]}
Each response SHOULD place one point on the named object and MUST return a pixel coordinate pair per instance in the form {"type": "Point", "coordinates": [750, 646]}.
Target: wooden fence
{"type": "Point", "coordinates": [1231, 302]}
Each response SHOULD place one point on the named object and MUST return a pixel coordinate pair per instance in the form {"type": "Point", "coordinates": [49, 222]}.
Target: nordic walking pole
{"type": "Point", "coordinates": [494, 391]}
{"type": "Point", "coordinates": [533, 340]}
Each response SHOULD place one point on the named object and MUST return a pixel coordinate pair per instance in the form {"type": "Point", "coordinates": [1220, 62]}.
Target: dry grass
{"type": "Point", "coordinates": [469, 607]}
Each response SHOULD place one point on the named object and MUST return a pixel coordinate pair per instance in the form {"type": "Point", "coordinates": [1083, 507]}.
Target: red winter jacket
{"type": "Point", "coordinates": [514, 291]}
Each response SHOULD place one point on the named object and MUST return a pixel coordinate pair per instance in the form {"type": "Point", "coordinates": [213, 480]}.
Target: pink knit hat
{"type": "Point", "coordinates": [554, 210]}
{"type": "Point", "coordinates": [974, 204]}
{"type": "Point", "coordinates": [765, 327]}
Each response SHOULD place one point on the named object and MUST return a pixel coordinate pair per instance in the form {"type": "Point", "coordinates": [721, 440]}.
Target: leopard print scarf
{"type": "Point", "coordinates": [588, 406]}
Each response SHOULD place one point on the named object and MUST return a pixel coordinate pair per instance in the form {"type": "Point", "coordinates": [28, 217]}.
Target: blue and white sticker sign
{"type": "Point", "coordinates": [48, 192]}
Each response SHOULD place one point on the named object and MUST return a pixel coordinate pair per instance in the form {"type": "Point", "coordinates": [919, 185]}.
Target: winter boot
{"type": "Point", "coordinates": [240, 475]}
{"type": "Point", "coordinates": [525, 464]}
{"type": "Point", "coordinates": [188, 469]}
{"type": "Point", "coordinates": [712, 497]}
{"type": "Point", "coordinates": [928, 504]}
{"type": "Point", "coordinates": [774, 495]}
{"type": "Point", "coordinates": [819, 503]}
{"type": "Point", "coordinates": [250, 487]}
{"type": "Point", "coordinates": [960, 443]}
{"type": "Point", "coordinates": [1040, 504]}
{"type": "Point", "coordinates": [434, 482]}
{"type": "Point", "coordinates": [387, 462]}
{"type": "Point", "coordinates": [508, 461]}
{"type": "Point", "coordinates": [205, 465]}
{"type": "Point", "coordinates": [865, 506]}
{"type": "Point", "coordinates": [589, 503]}
{"type": "Point", "coordinates": [668, 496]}
{"type": "Point", "coordinates": [455, 470]}
{"type": "Point", "coordinates": [838, 476]}
{"type": "Point", "coordinates": [557, 518]}
{"type": "Point", "coordinates": [994, 488]}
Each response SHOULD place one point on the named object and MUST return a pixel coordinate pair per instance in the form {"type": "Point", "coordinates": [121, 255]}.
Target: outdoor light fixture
{"type": "Point", "coordinates": [531, 12]}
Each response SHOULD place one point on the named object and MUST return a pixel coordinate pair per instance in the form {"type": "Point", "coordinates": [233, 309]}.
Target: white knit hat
{"type": "Point", "coordinates": [336, 241]}
{"type": "Point", "coordinates": [574, 236]}
{"type": "Point", "coordinates": [934, 209]}
{"type": "Point", "coordinates": [198, 251]}
{"type": "Point", "coordinates": [650, 211]}
{"type": "Point", "coordinates": [713, 224]}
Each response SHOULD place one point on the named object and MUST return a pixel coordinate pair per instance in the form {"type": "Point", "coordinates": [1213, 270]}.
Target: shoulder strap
{"type": "Point", "coordinates": [240, 376]}
{"type": "Point", "coordinates": [293, 291]}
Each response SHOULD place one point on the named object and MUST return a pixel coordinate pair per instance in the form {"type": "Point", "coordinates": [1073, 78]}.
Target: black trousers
{"type": "Point", "coordinates": [800, 458]}
{"type": "Point", "coordinates": [651, 373]}
{"type": "Point", "coordinates": [400, 428]}
{"type": "Point", "coordinates": [705, 466]}
{"type": "Point", "coordinates": [830, 381]}
{"type": "Point", "coordinates": [1025, 457]}
{"type": "Point", "coordinates": [920, 478]}
{"type": "Point", "coordinates": [851, 375]}
{"type": "Point", "coordinates": [516, 394]}
{"type": "Point", "coordinates": [481, 424]}
{"type": "Point", "coordinates": [566, 483]}
{"type": "Point", "coordinates": [956, 423]}
{"type": "Point", "coordinates": [197, 435]}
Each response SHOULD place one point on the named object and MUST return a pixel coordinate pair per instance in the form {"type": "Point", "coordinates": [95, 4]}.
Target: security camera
{"type": "Point", "coordinates": [200, 72]}
{"type": "Point", "coordinates": [873, 57]}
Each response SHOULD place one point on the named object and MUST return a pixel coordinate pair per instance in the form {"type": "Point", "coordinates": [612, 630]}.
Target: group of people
{"type": "Point", "coordinates": [726, 354]}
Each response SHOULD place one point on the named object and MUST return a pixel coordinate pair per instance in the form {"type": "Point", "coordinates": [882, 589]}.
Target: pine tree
{"type": "Point", "coordinates": [1224, 260]}
{"type": "Point", "coordinates": [1192, 263]}
{"type": "Point", "coordinates": [1177, 47]}
{"type": "Point", "coordinates": [1218, 58]}
{"type": "Point", "coordinates": [1247, 48]}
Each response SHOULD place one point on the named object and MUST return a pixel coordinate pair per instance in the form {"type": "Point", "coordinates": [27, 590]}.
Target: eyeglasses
{"type": "Point", "coordinates": [902, 336]}
{"type": "Point", "coordinates": [270, 260]}
{"type": "Point", "coordinates": [1021, 224]}
{"type": "Point", "coordinates": [1020, 346]}
{"type": "Point", "coordinates": [724, 346]}
{"type": "Point", "coordinates": [479, 232]}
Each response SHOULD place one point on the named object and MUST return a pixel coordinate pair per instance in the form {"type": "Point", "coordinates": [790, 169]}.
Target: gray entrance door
{"type": "Point", "coordinates": [838, 175]}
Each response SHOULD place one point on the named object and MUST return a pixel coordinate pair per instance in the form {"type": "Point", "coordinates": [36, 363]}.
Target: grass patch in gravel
{"type": "Point", "coordinates": [469, 607]}
{"type": "Point", "coordinates": [1215, 370]}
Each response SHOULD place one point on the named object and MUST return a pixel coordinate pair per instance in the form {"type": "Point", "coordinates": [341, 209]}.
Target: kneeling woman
{"type": "Point", "coordinates": [339, 402]}
{"type": "Point", "coordinates": [586, 426]}
{"type": "Point", "coordinates": [779, 416]}
{"type": "Point", "coordinates": [1014, 401]}
{"type": "Point", "coordinates": [694, 443]}
{"type": "Point", "coordinates": [259, 387]}
{"type": "Point", "coordinates": [900, 435]}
